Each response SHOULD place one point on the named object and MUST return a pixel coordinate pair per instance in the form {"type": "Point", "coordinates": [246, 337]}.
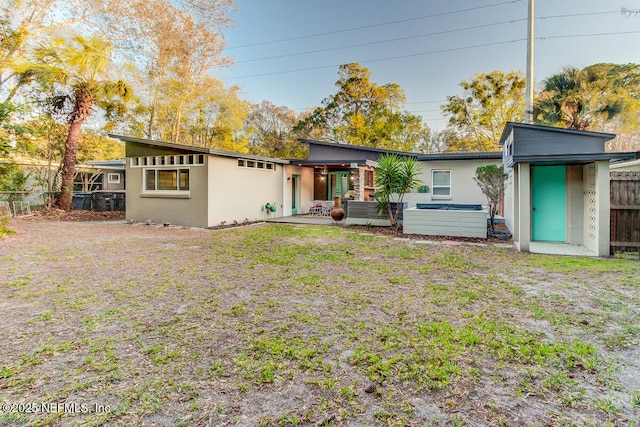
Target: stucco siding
{"type": "Point", "coordinates": [106, 185]}
{"type": "Point", "coordinates": [509, 199]}
{"type": "Point", "coordinates": [306, 188]}
{"type": "Point", "coordinates": [604, 206]}
{"type": "Point", "coordinates": [575, 205]}
{"type": "Point", "coordinates": [189, 211]}
{"type": "Point", "coordinates": [524, 206]}
{"type": "Point", "coordinates": [236, 193]}
{"type": "Point", "coordinates": [463, 188]}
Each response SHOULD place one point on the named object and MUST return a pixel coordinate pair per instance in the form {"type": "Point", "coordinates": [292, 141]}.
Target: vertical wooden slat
{"type": "Point", "coordinates": [625, 211]}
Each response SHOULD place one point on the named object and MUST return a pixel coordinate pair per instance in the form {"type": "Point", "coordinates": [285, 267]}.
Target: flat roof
{"type": "Point", "coordinates": [307, 162]}
{"type": "Point", "coordinates": [419, 156]}
{"type": "Point", "coordinates": [462, 156]}
{"type": "Point", "coordinates": [570, 158]}
{"type": "Point", "coordinates": [357, 147]}
{"type": "Point", "coordinates": [625, 163]}
{"type": "Point", "coordinates": [194, 149]}
{"type": "Point", "coordinates": [511, 125]}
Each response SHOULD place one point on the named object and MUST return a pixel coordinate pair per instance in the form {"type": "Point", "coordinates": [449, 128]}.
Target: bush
{"type": "Point", "coordinates": [395, 174]}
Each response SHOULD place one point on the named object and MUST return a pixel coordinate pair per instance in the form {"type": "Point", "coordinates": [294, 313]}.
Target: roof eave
{"type": "Point", "coordinates": [511, 125]}
{"type": "Point", "coordinates": [194, 149]}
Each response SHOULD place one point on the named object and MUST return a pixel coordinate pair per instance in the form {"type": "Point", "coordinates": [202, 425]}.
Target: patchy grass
{"type": "Point", "coordinates": [276, 325]}
{"type": "Point", "coordinates": [4, 230]}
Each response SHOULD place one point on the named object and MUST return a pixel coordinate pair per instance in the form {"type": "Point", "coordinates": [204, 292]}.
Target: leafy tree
{"type": "Point", "coordinates": [6, 109]}
{"type": "Point", "coordinates": [365, 113]}
{"type": "Point", "coordinates": [13, 181]}
{"type": "Point", "coordinates": [491, 178]}
{"type": "Point", "coordinates": [585, 99]}
{"type": "Point", "coordinates": [395, 175]}
{"type": "Point", "coordinates": [479, 115]}
{"type": "Point", "coordinates": [80, 67]}
{"type": "Point", "coordinates": [271, 134]}
{"type": "Point", "coordinates": [214, 117]}
{"type": "Point", "coordinates": [175, 69]}
{"type": "Point", "coordinates": [24, 23]}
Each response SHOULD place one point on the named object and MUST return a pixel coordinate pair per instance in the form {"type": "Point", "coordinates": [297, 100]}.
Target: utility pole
{"type": "Point", "coordinates": [528, 108]}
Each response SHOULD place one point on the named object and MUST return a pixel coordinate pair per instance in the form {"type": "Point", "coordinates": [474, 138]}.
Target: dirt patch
{"type": "Point", "coordinates": [53, 214]}
{"type": "Point", "coordinates": [278, 325]}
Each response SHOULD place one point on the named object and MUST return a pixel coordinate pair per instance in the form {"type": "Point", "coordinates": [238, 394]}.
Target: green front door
{"type": "Point", "coordinates": [295, 194]}
{"type": "Point", "coordinates": [549, 203]}
{"type": "Point", "coordinates": [338, 184]}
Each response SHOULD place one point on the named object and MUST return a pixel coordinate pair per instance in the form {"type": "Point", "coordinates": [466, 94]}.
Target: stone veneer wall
{"type": "Point", "coordinates": [358, 184]}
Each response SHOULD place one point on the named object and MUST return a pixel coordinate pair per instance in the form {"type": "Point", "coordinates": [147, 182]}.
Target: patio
{"type": "Point", "coordinates": [306, 219]}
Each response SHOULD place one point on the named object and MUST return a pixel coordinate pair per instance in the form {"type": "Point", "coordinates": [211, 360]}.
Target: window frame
{"type": "Point", "coordinates": [439, 186]}
{"type": "Point", "coordinates": [113, 178]}
{"type": "Point", "coordinates": [177, 192]}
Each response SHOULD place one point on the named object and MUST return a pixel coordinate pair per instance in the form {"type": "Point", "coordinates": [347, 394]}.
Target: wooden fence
{"type": "Point", "coordinates": [625, 211]}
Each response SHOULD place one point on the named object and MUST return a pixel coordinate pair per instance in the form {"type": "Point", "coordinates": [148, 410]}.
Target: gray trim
{"type": "Point", "coordinates": [347, 163]}
{"type": "Point", "coordinates": [570, 158]}
{"type": "Point", "coordinates": [511, 125]}
{"type": "Point", "coordinates": [357, 147]}
{"type": "Point", "coordinates": [108, 163]}
{"type": "Point", "coordinates": [192, 149]}
{"type": "Point", "coordinates": [419, 156]}
{"type": "Point", "coordinates": [462, 156]}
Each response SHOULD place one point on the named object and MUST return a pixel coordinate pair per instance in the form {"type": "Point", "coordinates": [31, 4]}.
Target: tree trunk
{"type": "Point", "coordinates": [84, 101]}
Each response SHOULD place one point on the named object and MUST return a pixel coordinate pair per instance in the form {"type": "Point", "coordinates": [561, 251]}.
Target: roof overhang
{"type": "Point", "coordinates": [575, 159]}
{"type": "Point", "coordinates": [358, 147]}
{"type": "Point", "coordinates": [332, 163]}
{"type": "Point", "coordinates": [489, 155]}
{"type": "Point", "coordinates": [198, 150]}
{"type": "Point", "coordinates": [509, 126]}
{"type": "Point", "coordinates": [626, 164]}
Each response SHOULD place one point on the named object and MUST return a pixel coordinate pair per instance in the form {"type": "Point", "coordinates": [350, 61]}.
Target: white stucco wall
{"type": "Point", "coordinates": [604, 208]}
{"type": "Point", "coordinates": [463, 188]}
{"type": "Point", "coordinates": [236, 193]}
{"type": "Point", "coordinates": [523, 207]}
{"type": "Point", "coordinates": [306, 188]}
{"type": "Point", "coordinates": [575, 205]}
{"type": "Point", "coordinates": [509, 200]}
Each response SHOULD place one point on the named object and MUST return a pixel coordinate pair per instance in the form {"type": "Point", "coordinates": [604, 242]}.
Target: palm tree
{"type": "Point", "coordinates": [577, 99]}
{"type": "Point", "coordinates": [79, 68]}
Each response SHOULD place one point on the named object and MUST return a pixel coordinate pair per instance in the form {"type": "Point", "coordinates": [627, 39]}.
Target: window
{"type": "Point", "coordinates": [256, 164]}
{"type": "Point", "coordinates": [441, 184]}
{"type": "Point", "coordinates": [166, 180]}
{"type": "Point", "coordinates": [113, 178]}
{"type": "Point", "coordinates": [368, 179]}
{"type": "Point", "coordinates": [181, 159]}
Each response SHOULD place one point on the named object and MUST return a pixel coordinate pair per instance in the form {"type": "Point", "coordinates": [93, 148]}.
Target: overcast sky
{"type": "Point", "coordinates": [288, 51]}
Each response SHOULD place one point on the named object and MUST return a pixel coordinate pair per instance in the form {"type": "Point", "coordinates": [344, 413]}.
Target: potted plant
{"type": "Point", "coordinates": [423, 189]}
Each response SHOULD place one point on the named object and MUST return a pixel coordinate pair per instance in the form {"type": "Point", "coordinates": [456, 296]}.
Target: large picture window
{"type": "Point", "coordinates": [441, 184]}
{"type": "Point", "coordinates": [166, 180]}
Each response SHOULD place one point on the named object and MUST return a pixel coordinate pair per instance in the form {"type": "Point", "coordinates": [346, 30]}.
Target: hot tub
{"type": "Point", "coordinates": [446, 219]}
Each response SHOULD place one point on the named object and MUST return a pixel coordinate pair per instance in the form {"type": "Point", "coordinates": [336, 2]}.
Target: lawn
{"type": "Point", "coordinates": [112, 324]}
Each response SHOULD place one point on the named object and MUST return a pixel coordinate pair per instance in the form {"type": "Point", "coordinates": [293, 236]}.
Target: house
{"type": "Point", "coordinates": [338, 168]}
{"type": "Point", "coordinates": [201, 187]}
{"type": "Point", "coordinates": [631, 165]}
{"type": "Point", "coordinates": [557, 189]}
{"type": "Point", "coordinates": [106, 175]}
